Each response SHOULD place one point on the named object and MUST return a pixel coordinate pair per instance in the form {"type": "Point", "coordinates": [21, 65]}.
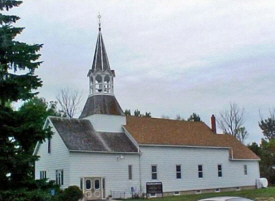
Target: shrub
{"type": "Point", "coordinates": [72, 193]}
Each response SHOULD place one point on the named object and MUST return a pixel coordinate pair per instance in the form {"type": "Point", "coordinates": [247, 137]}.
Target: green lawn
{"type": "Point", "coordinates": [267, 194]}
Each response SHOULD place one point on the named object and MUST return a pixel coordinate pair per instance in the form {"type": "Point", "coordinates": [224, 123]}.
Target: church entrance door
{"type": "Point", "coordinates": [92, 188]}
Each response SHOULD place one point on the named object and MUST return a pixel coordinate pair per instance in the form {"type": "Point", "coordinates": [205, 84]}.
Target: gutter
{"type": "Point", "coordinates": [231, 159]}
{"type": "Point", "coordinates": [105, 152]}
{"type": "Point", "coordinates": [183, 146]}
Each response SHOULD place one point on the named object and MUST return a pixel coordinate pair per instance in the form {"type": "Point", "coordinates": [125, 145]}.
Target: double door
{"type": "Point", "coordinates": [92, 188]}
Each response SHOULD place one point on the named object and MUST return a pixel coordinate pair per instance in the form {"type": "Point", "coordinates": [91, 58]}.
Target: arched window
{"type": "Point", "coordinates": [91, 85]}
{"type": "Point", "coordinates": [107, 87]}
{"type": "Point", "coordinates": [98, 84]}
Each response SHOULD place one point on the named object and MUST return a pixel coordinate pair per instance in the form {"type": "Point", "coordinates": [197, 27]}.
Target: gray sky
{"type": "Point", "coordinates": [170, 57]}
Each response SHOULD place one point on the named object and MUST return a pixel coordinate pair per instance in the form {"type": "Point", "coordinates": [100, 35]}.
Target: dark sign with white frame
{"type": "Point", "coordinates": [154, 187]}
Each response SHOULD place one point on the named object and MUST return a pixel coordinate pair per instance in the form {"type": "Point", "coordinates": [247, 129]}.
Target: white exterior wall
{"type": "Point", "coordinates": [56, 160]}
{"type": "Point", "coordinates": [106, 166]}
{"type": "Point", "coordinates": [166, 159]}
{"type": "Point", "coordinates": [107, 123]}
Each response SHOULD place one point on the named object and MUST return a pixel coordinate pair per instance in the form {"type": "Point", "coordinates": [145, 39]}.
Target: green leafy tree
{"type": "Point", "coordinates": [266, 151]}
{"type": "Point", "coordinates": [127, 112]}
{"type": "Point", "coordinates": [147, 114]}
{"type": "Point", "coordinates": [18, 130]}
{"type": "Point", "coordinates": [268, 126]}
{"type": "Point", "coordinates": [194, 117]}
{"type": "Point", "coordinates": [137, 113]}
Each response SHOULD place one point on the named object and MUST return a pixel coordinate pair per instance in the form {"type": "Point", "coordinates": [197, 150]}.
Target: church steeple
{"type": "Point", "coordinates": [101, 98]}
{"type": "Point", "coordinates": [101, 76]}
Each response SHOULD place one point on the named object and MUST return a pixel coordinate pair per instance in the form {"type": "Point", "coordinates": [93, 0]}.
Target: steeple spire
{"type": "Point", "coordinates": [101, 76]}
{"type": "Point", "coordinates": [101, 98]}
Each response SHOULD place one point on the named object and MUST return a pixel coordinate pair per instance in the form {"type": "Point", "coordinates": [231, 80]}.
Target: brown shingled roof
{"type": "Point", "coordinates": [184, 133]}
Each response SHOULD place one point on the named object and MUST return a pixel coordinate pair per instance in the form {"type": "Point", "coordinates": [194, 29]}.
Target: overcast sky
{"type": "Point", "coordinates": [171, 57]}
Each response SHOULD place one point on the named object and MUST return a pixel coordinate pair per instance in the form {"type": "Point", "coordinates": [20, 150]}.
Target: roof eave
{"type": "Point", "coordinates": [243, 159]}
{"type": "Point", "coordinates": [183, 146]}
{"type": "Point", "coordinates": [104, 152]}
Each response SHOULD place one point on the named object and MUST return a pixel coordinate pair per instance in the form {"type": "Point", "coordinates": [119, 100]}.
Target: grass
{"type": "Point", "coordinates": [257, 194]}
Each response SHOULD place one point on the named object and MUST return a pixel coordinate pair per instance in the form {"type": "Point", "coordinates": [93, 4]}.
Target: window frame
{"type": "Point", "coordinates": [154, 172]}
{"type": "Point", "coordinates": [49, 145]}
{"type": "Point", "coordinates": [200, 172]}
{"type": "Point", "coordinates": [43, 174]}
{"type": "Point", "coordinates": [245, 169]}
{"type": "Point", "coordinates": [130, 172]}
{"type": "Point", "coordinates": [59, 177]}
{"type": "Point", "coordinates": [178, 172]}
{"type": "Point", "coordinates": [219, 170]}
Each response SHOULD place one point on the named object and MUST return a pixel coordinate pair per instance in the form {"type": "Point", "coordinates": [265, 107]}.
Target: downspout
{"type": "Point", "coordinates": [140, 186]}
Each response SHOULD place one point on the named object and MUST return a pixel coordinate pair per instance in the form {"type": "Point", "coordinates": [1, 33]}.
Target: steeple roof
{"type": "Point", "coordinates": [100, 62]}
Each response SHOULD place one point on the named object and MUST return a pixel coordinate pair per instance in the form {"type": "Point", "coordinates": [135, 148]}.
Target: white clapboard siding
{"type": "Point", "coordinates": [108, 166]}
{"type": "Point", "coordinates": [56, 160]}
{"type": "Point", "coordinates": [107, 123]}
{"type": "Point", "coordinates": [166, 159]}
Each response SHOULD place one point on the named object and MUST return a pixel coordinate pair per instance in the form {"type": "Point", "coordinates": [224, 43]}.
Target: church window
{"type": "Point", "coordinates": [98, 83]}
{"type": "Point", "coordinates": [154, 172]}
{"type": "Point", "coordinates": [88, 184]}
{"type": "Point", "coordinates": [107, 86]}
{"type": "Point", "coordinates": [245, 169]}
{"type": "Point", "coordinates": [219, 170]}
{"type": "Point", "coordinates": [130, 173]}
{"type": "Point", "coordinates": [178, 171]}
{"type": "Point", "coordinates": [43, 174]}
{"type": "Point", "coordinates": [49, 145]}
{"type": "Point", "coordinates": [96, 184]}
{"type": "Point", "coordinates": [200, 171]}
{"type": "Point", "coordinates": [59, 177]}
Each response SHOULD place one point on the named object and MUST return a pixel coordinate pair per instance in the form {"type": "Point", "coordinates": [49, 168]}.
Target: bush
{"type": "Point", "coordinates": [24, 195]}
{"type": "Point", "coordinates": [72, 193]}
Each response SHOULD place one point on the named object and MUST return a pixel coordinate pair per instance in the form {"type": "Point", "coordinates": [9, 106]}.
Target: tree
{"type": "Point", "coordinates": [268, 125]}
{"type": "Point", "coordinates": [137, 113]}
{"type": "Point", "coordinates": [147, 114]}
{"type": "Point", "coordinates": [127, 112]}
{"type": "Point", "coordinates": [194, 117]}
{"type": "Point", "coordinates": [17, 134]}
{"type": "Point", "coordinates": [178, 117]}
{"type": "Point", "coordinates": [69, 101]}
{"type": "Point", "coordinates": [231, 122]}
{"type": "Point", "coordinates": [32, 115]}
{"type": "Point", "coordinates": [266, 151]}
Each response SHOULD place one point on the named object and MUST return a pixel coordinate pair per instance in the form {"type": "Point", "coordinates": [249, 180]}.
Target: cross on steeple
{"type": "Point", "coordinates": [99, 23]}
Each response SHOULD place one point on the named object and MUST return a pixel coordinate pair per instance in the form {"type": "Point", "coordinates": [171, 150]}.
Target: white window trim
{"type": "Point", "coordinates": [178, 171]}
{"type": "Point", "coordinates": [154, 172]}
{"type": "Point", "coordinates": [245, 169]}
{"type": "Point", "coordinates": [220, 171]}
{"type": "Point", "coordinates": [200, 171]}
{"type": "Point", "coordinates": [176, 193]}
{"type": "Point", "coordinates": [217, 190]}
{"type": "Point", "coordinates": [130, 172]}
{"type": "Point", "coordinates": [43, 174]}
{"type": "Point", "coordinates": [59, 177]}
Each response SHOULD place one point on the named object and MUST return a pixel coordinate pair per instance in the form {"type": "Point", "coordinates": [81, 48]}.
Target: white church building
{"type": "Point", "coordinates": [107, 154]}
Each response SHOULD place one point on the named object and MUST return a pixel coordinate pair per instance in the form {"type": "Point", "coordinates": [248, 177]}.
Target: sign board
{"type": "Point", "coordinates": [154, 187]}
{"type": "Point", "coordinates": [52, 192]}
